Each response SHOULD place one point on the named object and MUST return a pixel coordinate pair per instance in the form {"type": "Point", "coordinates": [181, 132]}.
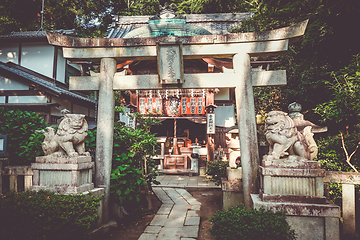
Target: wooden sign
{"type": "Point", "coordinates": [170, 64]}
{"type": "Point", "coordinates": [210, 123]}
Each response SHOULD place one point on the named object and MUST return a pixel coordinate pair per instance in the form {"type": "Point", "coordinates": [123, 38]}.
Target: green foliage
{"type": "Point", "coordinates": [323, 48]}
{"type": "Point", "coordinates": [90, 143]}
{"type": "Point", "coordinates": [344, 107]}
{"type": "Point", "coordinates": [332, 157]}
{"type": "Point", "coordinates": [46, 215]}
{"type": "Point", "coordinates": [90, 17]}
{"type": "Point", "coordinates": [239, 223]}
{"type": "Point", "coordinates": [331, 153]}
{"type": "Point", "coordinates": [267, 99]}
{"type": "Point", "coordinates": [213, 6]}
{"type": "Point", "coordinates": [217, 170]}
{"type": "Point", "coordinates": [131, 148]}
{"type": "Point", "coordinates": [24, 142]}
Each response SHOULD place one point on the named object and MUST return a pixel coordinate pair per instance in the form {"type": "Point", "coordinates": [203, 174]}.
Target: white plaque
{"type": "Point", "coordinates": [211, 123]}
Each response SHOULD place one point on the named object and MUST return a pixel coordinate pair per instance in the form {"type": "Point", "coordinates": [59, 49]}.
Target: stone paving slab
{"type": "Point", "coordinates": [159, 220]}
{"type": "Point", "coordinates": [191, 214]}
{"type": "Point", "coordinates": [148, 236]}
{"type": "Point", "coordinates": [164, 209]}
{"type": "Point", "coordinates": [192, 221]}
{"type": "Point", "coordinates": [162, 195]}
{"type": "Point", "coordinates": [170, 233]}
{"type": "Point", "coordinates": [187, 196]}
{"type": "Point", "coordinates": [185, 181]}
{"type": "Point", "coordinates": [191, 231]}
{"type": "Point", "coordinates": [175, 196]}
{"type": "Point", "coordinates": [177, 218]}
{"type": "Point", "coordinates": [152, 229]}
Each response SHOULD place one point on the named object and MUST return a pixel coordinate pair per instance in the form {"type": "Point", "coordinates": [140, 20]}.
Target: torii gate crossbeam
{"type": "Point", "coordinates": [239, 46]}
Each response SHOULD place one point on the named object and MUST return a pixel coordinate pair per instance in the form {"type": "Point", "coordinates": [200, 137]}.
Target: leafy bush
{"type": "Point", "coordinates": [332, 158]}
{"type": "Point", "coordinates": [46, 215]}
{"type": "Point", "coordinates": [344, 107]}
{"type": "Point", "coordinates": [24, 143]}
{"type": "Point", "coordinates": [331, 153]}
{"type": "Point", "coordinates": [131, 148]}
{"type": "Point", "coordinates": [90, 143]}
{"type": "Point", "coordinates": [239, 223]}
{"type": "Point", "coordinates": [217, 170]}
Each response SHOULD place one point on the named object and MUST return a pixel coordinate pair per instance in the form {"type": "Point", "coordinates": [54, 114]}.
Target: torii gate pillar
{"type": "Point", "coordinates": [247, 125]}
{"type": "Point", "coordinates": [105, 130]}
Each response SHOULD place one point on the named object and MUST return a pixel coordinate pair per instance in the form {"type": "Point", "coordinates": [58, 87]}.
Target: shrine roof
{"type": "Point", "coordinates": [292, 32]}
{"type": "Point", "coordinates": [46, 84]}
{"type": "Point", "coordinates": [219, 23]}
{"type": "Point", "coordinates": [33, 35]}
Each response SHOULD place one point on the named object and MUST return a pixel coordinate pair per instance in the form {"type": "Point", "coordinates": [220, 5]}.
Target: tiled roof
{"type": "Point", "coordinates": [36, 34]}
{"type": "Point", "coordinates": [48, 84]}
{"type": "Point", "coordinates": [218, 23]}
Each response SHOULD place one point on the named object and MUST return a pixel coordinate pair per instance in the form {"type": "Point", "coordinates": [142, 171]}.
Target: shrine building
{"type": "Point", "coordinates": [192, 120]}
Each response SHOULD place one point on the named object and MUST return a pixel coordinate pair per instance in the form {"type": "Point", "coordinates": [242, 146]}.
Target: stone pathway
{"type": "Point", "coordinates": [177, 218]}
{"type": "Point", "coordinates": [185, 181]}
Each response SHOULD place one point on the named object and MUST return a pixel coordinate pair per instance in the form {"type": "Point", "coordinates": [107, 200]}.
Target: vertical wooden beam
{"type": "Point", "coordinates": [348, 209]}
{"type": "Point", "coordinates": [55, 62]}
{"type": "Point", "coordinates": [20, 53]}
{"type": "Point", "coordinates": [105, 130]}
{"type": "Point", "coordinates": [247, 125]}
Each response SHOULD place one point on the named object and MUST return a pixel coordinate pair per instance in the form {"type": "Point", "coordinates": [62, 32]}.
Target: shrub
{"type": "Point", "coordinates": [131, 147]}
{"type": "Point", "coordinates": [24, 143]}
{"type": "Point", "coordinates": [46, 215]}
{"type": "Point", "coordinates": [239, 223]}
{"type": "Point", "coordinates": [217, 170]}
{"type": "Point", "coordinates": [332, 158]}
{"type": "Point", "coordinates": [331, 153]}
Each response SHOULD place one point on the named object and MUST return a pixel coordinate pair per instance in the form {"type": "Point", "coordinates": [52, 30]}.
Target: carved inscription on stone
{"type": "Point", "coordinates": [170, 64]}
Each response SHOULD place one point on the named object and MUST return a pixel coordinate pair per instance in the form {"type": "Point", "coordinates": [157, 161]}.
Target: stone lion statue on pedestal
{"type": "Point", "coordinates": [284, 138]}
{"type": "Point", "coordinates": [69, 140]}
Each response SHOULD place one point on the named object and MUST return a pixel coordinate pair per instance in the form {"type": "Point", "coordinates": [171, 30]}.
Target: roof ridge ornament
{"type": "Point", "coordinates": [167, 12]}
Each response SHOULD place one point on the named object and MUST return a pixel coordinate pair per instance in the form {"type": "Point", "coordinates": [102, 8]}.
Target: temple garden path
{"type": "Point", "coordinates": [183, 206]}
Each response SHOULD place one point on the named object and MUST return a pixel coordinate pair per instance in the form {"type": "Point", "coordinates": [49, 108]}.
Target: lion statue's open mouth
{"type": "Point", "coordinates": [69, 140]}
{"type": "Point", "coordinates": [283, 137]}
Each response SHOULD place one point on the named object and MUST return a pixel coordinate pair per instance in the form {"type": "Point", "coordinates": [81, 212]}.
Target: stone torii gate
{"type": "Point", "coordinates": [169, 53]}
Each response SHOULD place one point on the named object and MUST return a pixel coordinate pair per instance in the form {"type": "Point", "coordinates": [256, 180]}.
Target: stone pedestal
{"type": "Point", "coordinates": [63, 175]}
{"type": "Point", "coordinates": [296, 186]}
{"type": "Point", "coordinates": [232, 188]}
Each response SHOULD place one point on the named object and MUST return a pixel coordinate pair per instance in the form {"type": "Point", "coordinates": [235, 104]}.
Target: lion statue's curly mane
{"type": "Point", "coordinates": [282, 135]}
{"type": "Point", "coordinates": [69, 137]}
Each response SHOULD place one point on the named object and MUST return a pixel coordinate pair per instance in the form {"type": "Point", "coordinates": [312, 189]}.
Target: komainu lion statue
{"type": "Point", "coordinates": [282, 135]}
{"type": "Point", "coordinates": [69, 137]}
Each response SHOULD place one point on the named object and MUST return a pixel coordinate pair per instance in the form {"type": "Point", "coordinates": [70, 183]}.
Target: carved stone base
{"type": "Point", "coordinates": [310, 221]}
{"type": "Point", "coordinates": [296, 186]}
{"type": "Point", "coordinates": [63, 175]}
{"type": "Point", "coordinates": [292, 180]}
{"type": "Point", "coordinates": [232, 188]}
